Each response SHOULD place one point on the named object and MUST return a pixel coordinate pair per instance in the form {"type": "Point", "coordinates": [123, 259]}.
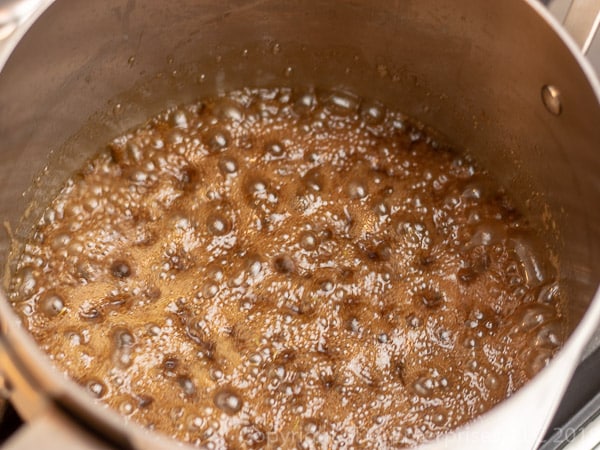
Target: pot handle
{"type": "Point", "coordinates": [51, 431]}
{"type": "Point", "coordinates": [16, 16]}
{"type": "Point", "coordinates": [582, 22]}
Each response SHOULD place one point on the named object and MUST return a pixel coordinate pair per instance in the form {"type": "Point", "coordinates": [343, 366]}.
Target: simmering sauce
{"type": "Point", "coordinates": [274, 268]}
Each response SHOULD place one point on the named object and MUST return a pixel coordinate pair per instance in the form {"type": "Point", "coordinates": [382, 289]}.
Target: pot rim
{"type": "Point", "coordinates": [32, 370]}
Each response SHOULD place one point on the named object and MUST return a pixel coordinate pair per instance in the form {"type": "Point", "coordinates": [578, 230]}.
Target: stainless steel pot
{"type": "Point", "coordinates": [501, 79]}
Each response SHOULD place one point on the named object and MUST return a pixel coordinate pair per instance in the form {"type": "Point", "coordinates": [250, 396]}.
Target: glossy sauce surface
{"type": "Point", "coordinates": [275, 268]}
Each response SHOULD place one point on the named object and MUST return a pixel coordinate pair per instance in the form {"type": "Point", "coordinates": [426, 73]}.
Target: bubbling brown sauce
{"type": "Point", "coordinates": [273, 268]}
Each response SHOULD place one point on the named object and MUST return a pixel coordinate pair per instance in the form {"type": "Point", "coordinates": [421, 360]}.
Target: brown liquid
{"type": "Point", "coordinates": [276, 269]}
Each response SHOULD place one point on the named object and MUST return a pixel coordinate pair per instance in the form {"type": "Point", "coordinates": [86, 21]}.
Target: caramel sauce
{"type": "Point", "coordinates": [274, 268]}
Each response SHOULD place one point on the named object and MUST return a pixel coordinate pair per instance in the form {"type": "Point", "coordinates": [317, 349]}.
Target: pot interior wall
{"type": "Point", "coordinates": [473, 70]}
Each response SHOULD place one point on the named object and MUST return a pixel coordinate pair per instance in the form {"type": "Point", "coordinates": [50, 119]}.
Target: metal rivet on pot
{"type": "Point", "coordinates": [551, 99]}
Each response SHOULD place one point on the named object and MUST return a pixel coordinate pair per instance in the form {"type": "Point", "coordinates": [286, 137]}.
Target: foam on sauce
{"type": "Point", "coordinates": [280, 268]}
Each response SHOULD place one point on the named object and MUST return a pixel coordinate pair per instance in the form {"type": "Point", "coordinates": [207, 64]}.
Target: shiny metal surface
{"type": "Point", "coordinates": [582, 21]}
{"type": "Point", "coordinates": [588, 439]}
{"type": "Point", "coordinates": [16, 16]}
{"type": "Point", "coordinates": [559, 9]}
{"type": "Point", "coordinates": [551, 99]}
{"type": "Point", "coordinates": [474, 70]}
